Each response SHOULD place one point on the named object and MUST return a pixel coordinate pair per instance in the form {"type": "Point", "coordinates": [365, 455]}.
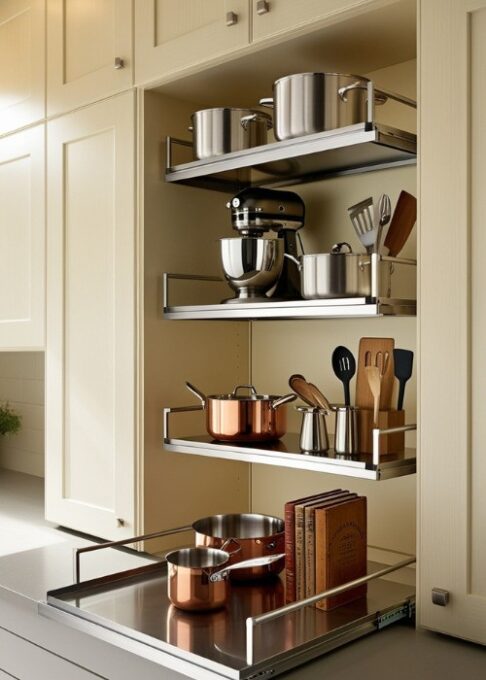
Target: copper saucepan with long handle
{"type": "Point", "coordinates": [240, 417]}
{"type": "Point", "coordinates": [244, 536]}
{"type": "Point", "coordinates": [198, 577]}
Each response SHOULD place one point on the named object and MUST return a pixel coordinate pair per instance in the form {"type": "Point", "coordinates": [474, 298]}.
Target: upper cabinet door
{"type": "Point", "coordinates": [89, 51]}
{"type": "Point", "coordinates": [91, 323]}
{"type": "Point", "coordinates": [22, 236]}
{"type": "Point", "coordinates": [453, 316]}
{"type": "Point", "coordinates": [22, 63]}
{"type": "Point", "coordinates": [170, 36]}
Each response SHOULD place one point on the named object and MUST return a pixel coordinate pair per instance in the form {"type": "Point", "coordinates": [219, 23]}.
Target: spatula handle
{"type": "Point", "coordinates": [347, 395]}
{"type": "Point", "coordinates": [401, 394]}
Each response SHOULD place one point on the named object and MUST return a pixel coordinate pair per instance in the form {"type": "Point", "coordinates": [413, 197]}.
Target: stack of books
{"type": "Point", "coordinates": [325, 546]}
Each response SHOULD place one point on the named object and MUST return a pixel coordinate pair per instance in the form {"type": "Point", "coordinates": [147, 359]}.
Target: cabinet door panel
{"type": "Point", "coordinates": [22, 235]}
{"type": "Point", "coordinates": [90, 363]}
{"type": "Point", "coordinates": [22, 74]}
{"type": "Point", "coordinates": [282, 16]}
{"type": "Point", "coordinates": [85, 38]}
{"type": "Point", "coordinates": [453, 319]}
{"type": "Point", "coordinates": [170, 35]}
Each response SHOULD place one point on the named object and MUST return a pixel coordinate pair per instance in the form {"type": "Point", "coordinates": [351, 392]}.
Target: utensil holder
{"type": "Point", "coordinates": [346, 439]}
{"type": "Point", "coordinates": [390, 443]}
{"type": "Point", "coordinates": [313, 431]}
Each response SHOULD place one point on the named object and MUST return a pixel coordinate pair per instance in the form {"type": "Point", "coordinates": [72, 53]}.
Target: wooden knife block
{"type": "Point", "coordinates": [389, 443]}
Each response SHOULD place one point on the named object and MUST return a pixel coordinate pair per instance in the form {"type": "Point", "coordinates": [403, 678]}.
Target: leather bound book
{"type": "Point", "coordinates": [289, 517]}
{"type": "Point", "coordinates": [310, 538]}
{"type": "Point", "coordinates": [340, 550]}
{"type": "Point", "coordinates": [300, 587]}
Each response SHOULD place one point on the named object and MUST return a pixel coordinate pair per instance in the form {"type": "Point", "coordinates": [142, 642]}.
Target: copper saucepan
{"type": "Point", "coordinates": [198, 577]}
{"type": "Point", "coordinates": [249, 535]}
{"type": "Point", "coordinates": [244, 418]}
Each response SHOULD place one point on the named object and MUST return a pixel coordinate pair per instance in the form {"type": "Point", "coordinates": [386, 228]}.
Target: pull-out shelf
{"type": "Point", "coordinates": [356, 148]}
{"type": "Point", "coordinates": [256, 635]}
{"type": "Point", "coordinates": [286, 453]}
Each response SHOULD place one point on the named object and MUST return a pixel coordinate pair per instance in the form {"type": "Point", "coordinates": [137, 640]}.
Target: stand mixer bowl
{"type": "Point", "coordinates": [251, 265]}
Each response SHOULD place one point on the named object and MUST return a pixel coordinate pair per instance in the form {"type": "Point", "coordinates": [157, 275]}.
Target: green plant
{"type": "Point", "coordinates": [9, 420]}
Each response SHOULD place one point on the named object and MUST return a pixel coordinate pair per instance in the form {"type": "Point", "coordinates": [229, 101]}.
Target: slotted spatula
{"type": "Point", "coordinates": [344, 366]}
{"type": "Point", "coordinates": [363, 219]}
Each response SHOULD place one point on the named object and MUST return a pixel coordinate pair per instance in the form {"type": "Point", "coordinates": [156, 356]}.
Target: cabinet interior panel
{"type": "Point", "coordinates": [89, 321]}
{"type": "Point", "coordinates": [477, 459]}
{"type": "Point", "coordinates": [188, 15]}
{"type": "Point", "coordinates": [89, 41]}
{"type": "Point", "coordinates": [15, 51]}
{"type": "Point", "coordinates": [16, 239]}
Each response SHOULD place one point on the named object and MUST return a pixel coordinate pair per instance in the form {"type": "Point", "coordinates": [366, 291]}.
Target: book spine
{"type": "Point", "coordinates": [299, 553]}
{"type": "Point", "coordinates": [310, 557]}
{"type": "Point", "coordinates": [289, 518]}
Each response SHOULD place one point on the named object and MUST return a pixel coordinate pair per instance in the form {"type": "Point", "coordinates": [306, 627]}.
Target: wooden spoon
{"type": "Point", "coordinates": [299, 384]}
{"type": "Point", "coordinates": [319, 397]}
{"type": "Point", "coordinates": [374, 381]}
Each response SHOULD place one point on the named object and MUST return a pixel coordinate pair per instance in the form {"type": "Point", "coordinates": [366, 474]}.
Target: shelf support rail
{"type": "Point", "coordinates": [177, 409]}
{"type": "Point", "coordinates": [376, 273]}
{"type": "Point", "coordinates": [377, 433]}
{"type": "Point", "coordinates": [253, 621]}
{"type": "Point", "coordinates": [167, 276]}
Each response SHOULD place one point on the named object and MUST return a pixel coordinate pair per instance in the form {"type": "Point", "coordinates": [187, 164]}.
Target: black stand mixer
{"type": "Point", "coordinates": [253, 264]}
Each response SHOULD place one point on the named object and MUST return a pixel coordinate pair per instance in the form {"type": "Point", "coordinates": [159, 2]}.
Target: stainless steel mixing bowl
{"type": "Point", "coordinates": [251, 266]}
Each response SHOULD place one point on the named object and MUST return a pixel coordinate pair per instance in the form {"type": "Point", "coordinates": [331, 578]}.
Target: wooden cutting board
{"type": "Point", "coordinates": [372, 352]}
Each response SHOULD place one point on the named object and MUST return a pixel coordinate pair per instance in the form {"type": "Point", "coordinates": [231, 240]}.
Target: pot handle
{"type": "Point", "coordinates": [381, 96]}
{"type": "Point", "coordinates": [338, 248]}
{"type": "Point", "coordinates": [200, 395]}
{"type": "Point", "coordinates": [267, 101]}
{"type": "Point", "coordinates": [246, 564]}
{"type": "Point", "coordinates": [294, 260]}
{"type": "Point", "coordinates": [248, 387]}
{"type": "Point", "coordinates": [283, 400]}
{"type": "Point", "coordinates": [255, 116]}
{"type": "Point", "coordinates": [227, 543]}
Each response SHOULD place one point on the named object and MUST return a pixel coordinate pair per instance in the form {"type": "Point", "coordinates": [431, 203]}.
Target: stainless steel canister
{"type": "Point", "coordinates": [313, 432]}
{"type": "Point", "coordinates": [222, 130]}
{"type": "Point", "coordinates": [306, 103]}
{"type": "Point", "coordinates": [346, 437]}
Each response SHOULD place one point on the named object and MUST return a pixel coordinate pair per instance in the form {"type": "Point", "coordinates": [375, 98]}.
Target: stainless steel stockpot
{"type": "Point", "coordinates": [249, 536]}
{"type": "Point", "coordinates": [337, 274]}
{"type": "Point", "coordinates": [306, 103]}
{"type": "Point", "coordinates": [222, 130]}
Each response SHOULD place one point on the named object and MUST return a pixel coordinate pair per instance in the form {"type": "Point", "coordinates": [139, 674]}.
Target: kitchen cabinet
{"type": "Point", "coordinates": [453, 320]}
{"type": "Point", "coordinates": [89, 51]}
{"type": "Point", "coordinates": [170, 36]}
{"type": "Point", "coordinates": [22, 55]}
{"type": "Point", "coordinates": [91, 321]}
{"type": "Point", "coordinates": [22, 239]}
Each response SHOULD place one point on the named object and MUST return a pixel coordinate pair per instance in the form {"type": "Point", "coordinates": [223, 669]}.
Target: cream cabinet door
{"type": "Point", "coordinates": [170, 36]}
{"type": "Point", "coordinates": [90, 348]}
{"type": "Point", "coordinates": [89, 51]}
{"type": "Point", "coordinates": [271, 17]}
{"type": "Point", "coordinates": [22, 63]}
{"type": "Point", "coordinates": [453, 316]}
{"type": "Point", "coordinates": [22, 240]}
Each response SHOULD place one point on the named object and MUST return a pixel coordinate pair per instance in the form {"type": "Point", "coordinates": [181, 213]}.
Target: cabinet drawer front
{"type": "Point", "coordinates": [22, 56]}
{"type": "Point", "coordinates": [22, 234]}
{"type": "Point", "coordinates": [170, 36]}
{"type": "Point", "coordinates": [90, 363]}
{"type": "Point", "coordinates": [86, 37]}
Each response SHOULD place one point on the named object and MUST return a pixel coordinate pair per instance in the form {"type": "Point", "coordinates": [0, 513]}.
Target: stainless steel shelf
{"type": "Point", "coordinates": [256, 635]}
{"type": "Point", "coordinates": [286, 453]}
{"type": "Point", "coordinates": [356, 148]}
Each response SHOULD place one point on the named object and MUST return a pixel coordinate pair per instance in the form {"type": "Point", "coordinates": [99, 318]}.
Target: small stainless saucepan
{"type": "Point", "coordinates": [198, 577]}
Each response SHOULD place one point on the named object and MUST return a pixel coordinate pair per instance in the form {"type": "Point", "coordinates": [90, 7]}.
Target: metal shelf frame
{"type": "Point", "coordinates": [286, 453]}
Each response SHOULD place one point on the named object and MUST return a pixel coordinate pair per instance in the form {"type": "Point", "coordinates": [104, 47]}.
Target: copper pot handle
{"type": "Point", "coordinates": [283, 400]}
{"type": "Point", "coordinates": [200, 395]}
{"type": "Point", "coordinates": [228, 542]}
{"type": "Point", "coordinates": [246, 564]}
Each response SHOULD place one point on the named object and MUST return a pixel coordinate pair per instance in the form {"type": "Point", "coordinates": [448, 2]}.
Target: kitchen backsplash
{"type": "Point", "coordinates": [22, 385]}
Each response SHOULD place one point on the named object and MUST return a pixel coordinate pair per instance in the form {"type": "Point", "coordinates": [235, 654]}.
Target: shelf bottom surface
{"type": "Point", "coordinates": [137, 607]}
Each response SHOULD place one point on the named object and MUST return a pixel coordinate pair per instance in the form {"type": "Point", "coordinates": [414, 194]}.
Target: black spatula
{"type": "Point", "coordinates": [344, 366]}
{"type": "Point", "coordinates": [403, 359]}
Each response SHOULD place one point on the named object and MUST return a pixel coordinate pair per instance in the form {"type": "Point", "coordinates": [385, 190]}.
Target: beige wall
{"type": "Point", "coordinates": [285, 347]}
{"type": "Point", "coordinates": [22, 385]}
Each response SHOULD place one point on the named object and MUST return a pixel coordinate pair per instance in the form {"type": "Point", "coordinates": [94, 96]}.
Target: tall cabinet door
{"type": "Point", "coordinates": [89, 51]}
{"type": "Point", "coordinates": [22, 240]}
{"type": "Point", "coordinates": [91, 324]}
{"type": "Point", "coordinates": [170, 36]}
{"type": "Point", "coordinates": [453, 316]}
{"type": "Point", "coordinates": [22, 60]}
